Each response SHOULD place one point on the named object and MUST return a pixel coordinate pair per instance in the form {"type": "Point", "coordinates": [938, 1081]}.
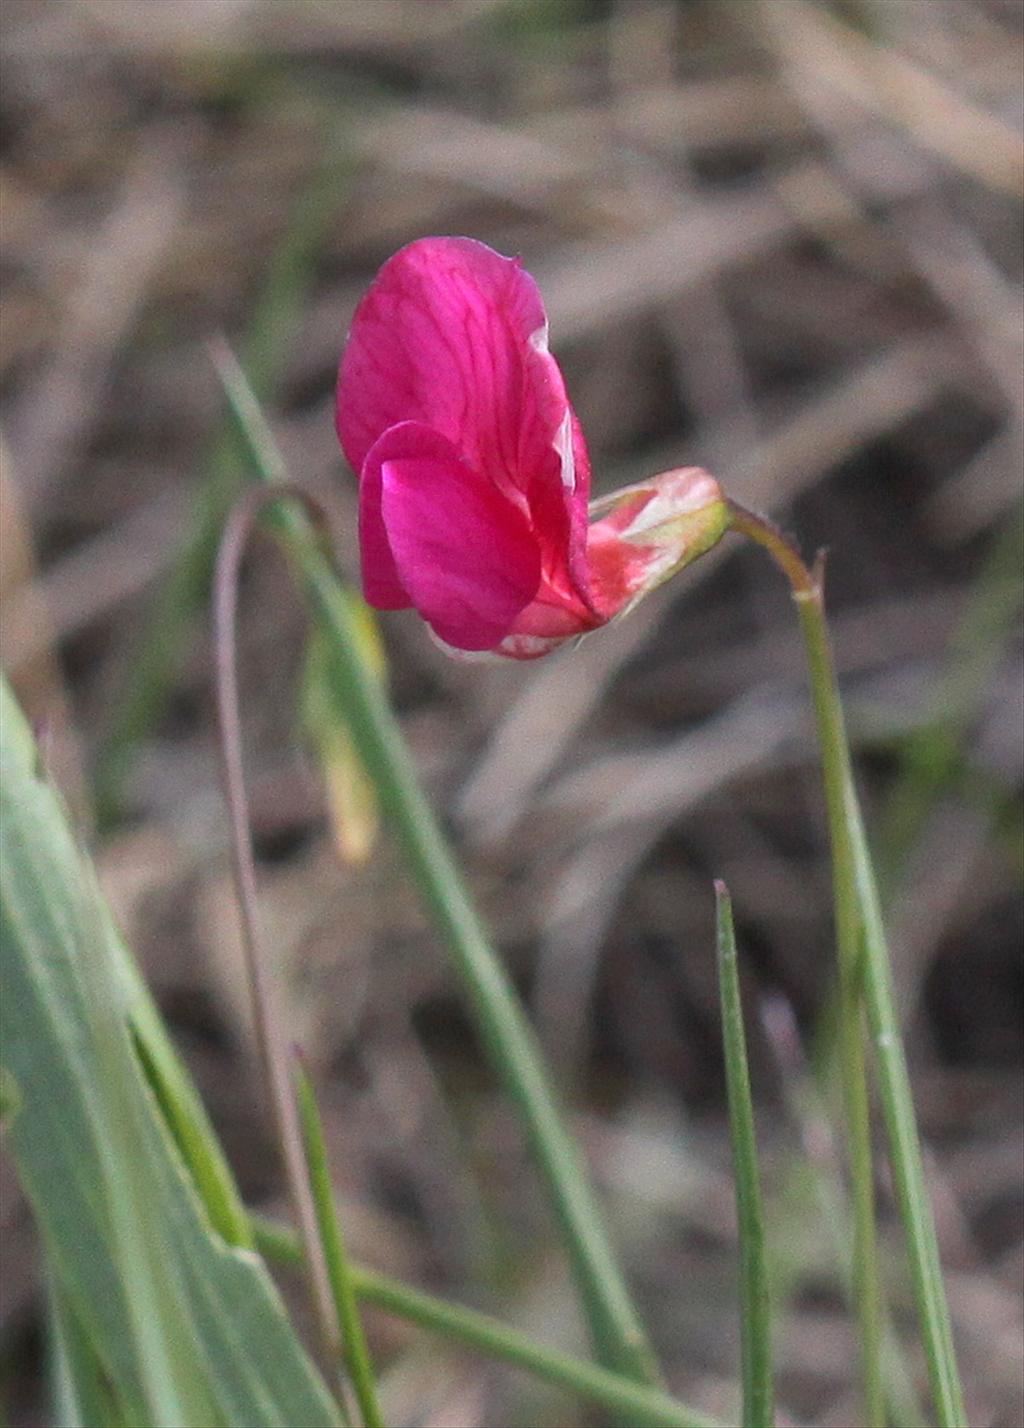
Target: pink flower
{"type": "Point", "coordinates": [474, 475]}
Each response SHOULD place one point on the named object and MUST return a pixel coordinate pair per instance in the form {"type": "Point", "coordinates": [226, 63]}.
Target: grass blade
{"type": "Point", "coordinates": [80, 1394]}
{"type": "Point", "coordinates": [815, 1183]}
{"type": "Point", "coordinates": [349, 791]}
{"type": "Point", "coordinates": [357, 1355]}
{"type": "Point", "coordinates": [635, 1403]}
{"type": "Point", "coordinates": [853, 869]}
{"type": "Point", "coordinates": [755, 1315]}
{"type": "Point", "coordinates": [506, 1034]}
{"type": "Point", "coordinates": [186, 1119]}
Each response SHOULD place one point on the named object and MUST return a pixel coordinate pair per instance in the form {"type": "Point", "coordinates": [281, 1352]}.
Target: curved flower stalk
{"type": "Point", "coordinates": [474, 510]}
{"type": "Point", "coordinates": [474, 474]}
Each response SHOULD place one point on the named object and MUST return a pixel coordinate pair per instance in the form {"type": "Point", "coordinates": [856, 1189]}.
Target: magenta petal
{"type": "Point", "coordinates": [462, 550]}
{"type": "Point", "coordinates": [454, 336]}
{"type": "Point", "coordinates": [382, 584]}
{"type": "Point", "coordinates": [439, 338]}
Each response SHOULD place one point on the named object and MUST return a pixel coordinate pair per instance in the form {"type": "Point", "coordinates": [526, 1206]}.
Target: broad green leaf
{"type": "Point", "coordinates": [10, 1097]}
{"type": "Point", "coordinates": [81, 1396]}
{"type": "Point", "coordinates": [97, 1160]}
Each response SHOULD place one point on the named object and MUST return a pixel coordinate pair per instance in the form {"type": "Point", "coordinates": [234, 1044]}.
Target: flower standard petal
{"type": "Point", "coordinates": [454, 336]}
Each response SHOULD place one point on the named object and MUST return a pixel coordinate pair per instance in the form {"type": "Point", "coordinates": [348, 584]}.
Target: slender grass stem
{"type": "Point", "coordinates": [339, 1272]}
{"type": "Point", "coordinates": [506, 1034]}
{"type": "Point", "coordinates": [490, 1336]}
{"type": "Point", "coordinates": [755, 1308]}
{"type": "Point", "coordinates": [865, 979]}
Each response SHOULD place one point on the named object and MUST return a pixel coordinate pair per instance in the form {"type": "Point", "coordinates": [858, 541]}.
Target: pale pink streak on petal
{"type": "Point", "coordinates": [464, 553]}
{"type": "Point", "coordinates": [554, 451]}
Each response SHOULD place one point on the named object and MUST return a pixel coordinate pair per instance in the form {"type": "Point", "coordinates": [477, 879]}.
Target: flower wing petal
{"type": "Point", "coordinates": [382, 584]}
{"type": "Point", "coordinates": [461, 552]}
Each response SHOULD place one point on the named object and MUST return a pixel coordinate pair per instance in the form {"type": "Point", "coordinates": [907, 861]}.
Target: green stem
{"type": "Point", "coordinates": [339, 1269]}
{"type": "Point", "coordinates": [755, 1318]}
{"type": "Point", "coordinates": [856, 1107]}
{"type": "Point", "coordinates": [509, 1040]}
{"type": "Point", "coordinates": [490, 1336]}
{"type": "Point", "coordinates": [891, 1067]}
{"type": "Point", "coordinates": [865, 980]}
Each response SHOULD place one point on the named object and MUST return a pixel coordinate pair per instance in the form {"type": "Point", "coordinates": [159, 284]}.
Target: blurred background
{"type": "Point", "coordinates": [780, 239]}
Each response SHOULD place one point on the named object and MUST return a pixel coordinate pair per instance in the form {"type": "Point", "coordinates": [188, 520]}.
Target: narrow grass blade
{"type": "Point", "coordinates": [849, 1028]}
{"type": "Point", "coordinates": [755, 1307]}
{"type": "Point", "coordinates": [357, 1355]}
{"type": "Point", "coordinates": [162, 1335]}
{"type": "Point", "coordinates": [854, 876]}
{"type": "Point", "coordinates": [865, 979]}
{"type": "Point", "coordinates": [10, 1098]}
{"type": "Point", "coordinates": [490, 1336]}
{"type": "Point", "coordinates": [814, 1184]}
{"type": "Point", "coordinates": [505, 1032]}
{"type": "Point", "coordinates": [187, 1121]}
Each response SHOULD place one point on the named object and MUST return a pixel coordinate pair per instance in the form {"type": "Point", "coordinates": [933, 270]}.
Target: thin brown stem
{"type": "Point", "coordinates": [271, 1040]}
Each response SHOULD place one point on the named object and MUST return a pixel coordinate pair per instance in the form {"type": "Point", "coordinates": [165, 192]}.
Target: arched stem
{"type": "Point", "coordinates": [270, 1037]}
